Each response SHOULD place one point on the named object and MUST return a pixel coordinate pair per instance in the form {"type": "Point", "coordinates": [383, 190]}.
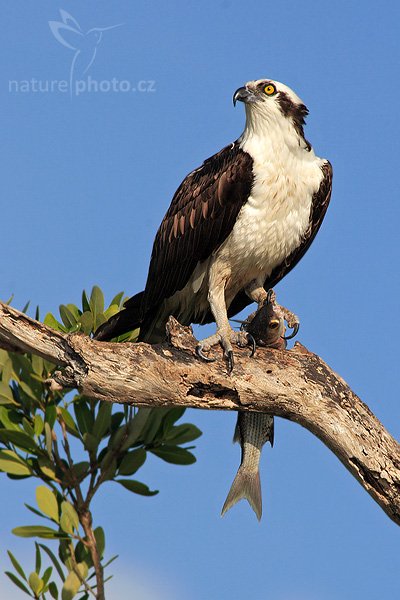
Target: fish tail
{"type": "Point", "coordinates": [245, 485]}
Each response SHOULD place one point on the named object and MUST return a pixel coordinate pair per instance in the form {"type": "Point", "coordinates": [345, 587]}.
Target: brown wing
{"type": "Point", "coordinates": [318, 209]}
{"type": "Point", "coordinates": [201, 216]}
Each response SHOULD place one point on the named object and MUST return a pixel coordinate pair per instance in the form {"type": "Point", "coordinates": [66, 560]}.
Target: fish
{"type": "Point", "coordinates": [254, 429]}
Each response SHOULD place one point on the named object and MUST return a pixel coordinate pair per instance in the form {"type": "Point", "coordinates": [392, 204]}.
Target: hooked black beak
{"type": "Point", "coordinates": [245, 95]}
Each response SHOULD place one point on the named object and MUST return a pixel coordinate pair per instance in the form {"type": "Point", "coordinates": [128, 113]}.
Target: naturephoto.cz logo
{"type": "Point", "coordinates": [85, 46]}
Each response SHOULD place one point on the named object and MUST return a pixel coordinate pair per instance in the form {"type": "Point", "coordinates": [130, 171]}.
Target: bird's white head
{"type": "Point", "coordinates": [273, 106]}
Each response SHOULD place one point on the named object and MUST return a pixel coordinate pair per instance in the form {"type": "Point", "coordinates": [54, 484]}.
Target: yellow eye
{"type": "Point", "coordinates": [270, 89]}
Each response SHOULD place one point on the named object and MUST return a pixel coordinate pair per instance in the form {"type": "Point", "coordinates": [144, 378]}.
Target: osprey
{"type": "Point", "coordinates": [236, 225]}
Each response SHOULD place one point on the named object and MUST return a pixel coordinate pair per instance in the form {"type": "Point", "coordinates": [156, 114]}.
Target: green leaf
{"type": "Point", "coordinates": [47, 575]}
{"type": "Point", "coordinates": [53, 590]}
{"type": "Point", "coordinates": [131, 336]}
{"type": "Point", "coordinates": [136, 487]}
{"type": "Point", "coordinates": [6, 396]}
{"type": "Point", "coordinates": [70, 587]}
{"type": "Point", "coordinates": [73, 582]}
{"type": "Point", "coordinates": [174, 455]}
{"type": "Point", "coordinates": [90, 442]}
{"type": "Point", "coordinates": [24, 310]}
{"type": "Point", "coordinates": [37, 364]}
{"type": "Point", "coordinates": [74, 310]}
{"type": "Point", "coordinates": [116, 420]}
{"type": "Point", "coordinates": [69, 517]}
{"type": "Point", "coordinates": [110, 561]}
{"type": "Point", "coordinates": [153, 424]}
{"type": "Point", "coordinates": [132, 461]}
{"type": "Point", "coordinates": [10, 462]}
{"type": "Point", "coordinates": [21, 365]}
{"type": "Point", "coordinates": [80, 469]}
{"type": "Point", "coordinates": [111, 311]}
{"type": "Point", "coordinates": [38, 425]}
{"type": "Point", "coordinates": [100, 319]}
{"type": "Point", "coordinates": [82, 554]}
{"type": "Point", "coordinates": [52, 322]}
{"type": "Point", "coordinates": [181, 434]}
{"type": "Point", "coordinates": [108, 466]}
{"type": "Point", "coordinates": [18, 438]}
{"type": "Point", "coordinates": [9, 418]}
{"type": "Point", "coordinates": [50, 415]}
{"type": "Point", "coordinates": [173, 415]}
{"type": "Point", "coordinates": [69, 421]}
{"type": "Point", "coordinates": [28, 427]}
{"type": "Point", "coordinates": [36, 531]}
{"type": "Point", "coordinates": [117, 300]}
{"type": "Point", "coordinates": [86, 320]}
{"type": "Point", "coordinates": [47, 502]}
{"type": "Point", "coordinates": [18, 583]}
{"type": "Point", "coordinates": [7, 371]}
{"type": "Point", "coordinates": [35, 583]}
{"type": "Point", "coordinates": [64, 552]}
{"type": "Point", "coordinates": [28, 390]}
{"type": "Point", "coordinates": [49, 440]}
{"type": "Point", "coordinates": [54, 561]}
{"type": "Point", "coordinates": [85, 302]}
{"type": "Point", "coordinates": [133, 430]}
{"type": "Point", "coordinates": [38, 561]}
{"type": "Point", "coordinates": [100, 540]}
{"type": "Point", "coordinates": [67, 317]}
{"type": "Point", "coordinates": [16, 565]}
{"type": "Point", "coordinates": [47, 467]}
{"type": "Point", "coordinates": [83, 415]}
{"type": "Point", "coordinates": [97, 300]}
{"type": "Point", "coordinates": [103, 420]}
{"type": "Point", "coordinates": [34, 510]}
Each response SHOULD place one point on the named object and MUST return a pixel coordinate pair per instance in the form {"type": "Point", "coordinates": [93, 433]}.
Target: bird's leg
{"type": "Point", "coordinates": [290, 317]}
{"type": "Point", "coordinates": [256, 292]}
{"type": "Point", "coordinates": [224, 335]}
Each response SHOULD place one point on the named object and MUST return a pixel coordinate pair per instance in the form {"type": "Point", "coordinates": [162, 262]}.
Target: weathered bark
{"type": "Point", "coordinates": [296, 385]}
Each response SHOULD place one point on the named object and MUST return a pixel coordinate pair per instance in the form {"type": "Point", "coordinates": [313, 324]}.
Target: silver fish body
{"type": "Point", "coordinates": [253, 429]}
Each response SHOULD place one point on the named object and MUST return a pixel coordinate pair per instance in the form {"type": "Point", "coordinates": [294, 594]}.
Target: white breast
{"type": "Point", "coordinates": [276, 216]}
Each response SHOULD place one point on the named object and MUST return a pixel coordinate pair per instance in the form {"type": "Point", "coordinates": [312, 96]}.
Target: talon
{"type": "Point", "coordinates": [252, 343]}
{"type": "Point", "coordinates": [270, 294]}
{"type": "Point", "coordinates": [231, 361]}
{"type": "Point", "coordinates": [199, 353]}
{"type": "Point", "coordinates": [295, 331]}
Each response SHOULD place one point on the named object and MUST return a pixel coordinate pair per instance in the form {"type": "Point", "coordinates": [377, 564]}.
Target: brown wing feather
{"type": "Point", "coordinates": [201, 216]}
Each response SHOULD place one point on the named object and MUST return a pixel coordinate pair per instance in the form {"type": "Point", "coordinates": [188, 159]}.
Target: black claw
{"type": "Point", "coordinates": [269, 296]}
{"type": "Point", "coordinates": [231, 361]}
{"type": "Point", "coordinates": [295, 331]}
{"type": "Point", "coordinates": [199, 353]}
{"type": "Point", "coordinates": [252, 342]}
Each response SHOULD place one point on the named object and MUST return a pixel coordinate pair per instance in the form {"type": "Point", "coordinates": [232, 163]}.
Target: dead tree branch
{"type": "Point", "coordinates": [296, 385]}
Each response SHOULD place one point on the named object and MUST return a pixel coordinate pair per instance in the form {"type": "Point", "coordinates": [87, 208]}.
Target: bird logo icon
{"type": "Point", "coordinates": [70, 34]}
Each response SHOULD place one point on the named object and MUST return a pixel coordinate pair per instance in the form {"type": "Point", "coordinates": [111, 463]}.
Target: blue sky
{"type": "Point", "coordinates": [86, 179]}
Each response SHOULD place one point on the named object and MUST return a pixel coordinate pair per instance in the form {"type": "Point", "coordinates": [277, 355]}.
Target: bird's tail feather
{"type": "Point", "coordinates": [245, 485]}
{"type": "Point", "coordinates": [128, 319]}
